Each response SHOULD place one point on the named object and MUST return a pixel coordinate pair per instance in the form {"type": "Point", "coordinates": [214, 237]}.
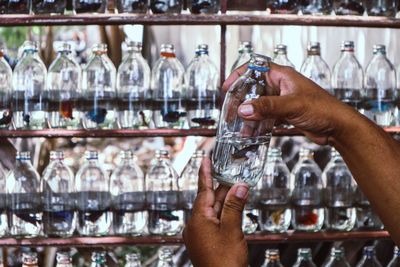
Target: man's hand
{"type": "Point", "coordinates": [213, 236]}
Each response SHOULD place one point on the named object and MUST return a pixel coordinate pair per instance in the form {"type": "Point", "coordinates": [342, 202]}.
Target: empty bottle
{"type": "Point", "coordinates": [189, 180]}
{"type": "Point", "coordinates": [272, 258]}
{"type": "Point", "coordinates": [29, 82]}
{"type": "Point", "coordinates": [367, 219]}
{"type": "Point", "coordinates": [165, 258]}
{"type": "Point", "coordinates": [385, 8]}
{"type": "Point", "coordinates": [129, 198]}
{"type": "Point", "coordinates": [17, 6]}
{"type": "Point", "coordinates": [63, 259]}
{"type": "Point", "coordinates": [64, 90]}
{"type": "Point", "coordinates": [379, 88]}
{"type": "Point", "coordinates": [340, 214]}
{"type": "Point", "coordinates": [49, 6]}
{"type": "Point", "coordinates": [93, 198]}
{"type": "Point", "coordinates": [307, 213]}
{"type": "Point", "coordinates": [395, 262]}
{"type": "Point", "coordinates": [315, 68]}
{"type": "Point", "coordinates": [369, 258]}
{"type": "Point", "coordinates": [274, 199]}
{"type": "Point", "coordinates": [98, 259]}
{"type": "Point", "coordinates": [202, 91]}
{"type": "Point", "coordinates": [132, 6]}
{"type": "Point", "coordinates": [5, 92]}
{"type": "Point", "coordinates": [167, 85]}
{"type": "Point", "coordinates": [90, 6]}
{"type": "Point", "coordinates": [166, 6]}
{"type": "Point", "coordinates": [245, 52]}
{"type": "Point", "coordinates": [98, 87]}
{"type": "Point", "coordinates": [132, 260]}
{"type": "Point", "coordinates": [29, 259]}
{"type": "Point", "coordinates": [348, 7]}
{"type": "Point", "coordinates": [304, 258]}
{"type": "Point", "coordinates": [283, 6]}
{"type": "Point", "coordinates": [133, 87]}
{"type": "Point", "coordinates": [337, 258]}
{"type": "Point", "coordinates": [24, 198]}
{"type": "Point", "coordinates": [280, 56]}
{"type": "Point", "coordinates": [348, 77]}
{"type": "Point", "coordinates": [241, 146]}
{"type": "Point", "coordinates": [316, 7]}
{"type": "Point", "coordinates": [3, 204]}
{"type": "Point", "coordinates": [204, 6]}
{"type": "Point", "coordinates": [165, 214]}
{"type": "Point", "coordinates": [251, 214]}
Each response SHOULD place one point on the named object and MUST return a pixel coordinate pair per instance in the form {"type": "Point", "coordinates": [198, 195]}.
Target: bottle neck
{"type": "Point", "coordinates": [168, 54]}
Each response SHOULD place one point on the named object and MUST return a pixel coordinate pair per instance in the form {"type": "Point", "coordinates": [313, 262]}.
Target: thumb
{"type": "Point", "coordinates": [232, 211]}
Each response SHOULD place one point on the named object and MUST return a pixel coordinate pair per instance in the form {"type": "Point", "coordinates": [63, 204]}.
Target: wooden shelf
{"type": "Point", "coordinates": [188, 19]}
{"type": "Point", "coordinates": [113, 241]}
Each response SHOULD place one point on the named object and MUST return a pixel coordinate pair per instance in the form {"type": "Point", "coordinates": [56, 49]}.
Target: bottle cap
{"type": "Point", "coordinates": [304, 252]}
{"type": "Point", "coordinates": [162, 154]}
{"type": "Point", "coordinates": [99, 48]}
{"type": "Point", "coordinates": [133, 46]}
{"type": "Point", "coordinates": [314, 48]}
{"type": "Point", "coordinates": [347, 46]}
{"type": "Point", "coordinates": [272, 254]}
{"type": "Point", "coordinates": [337, 252]}
{"type": "Point", "coordinates": [274, 152]}
{"type": "Point", "coordinates": [30, 46]}
{"type": "Point", "coordinates": [99, 257]}
{"type": "Point", "coordinates": [167, 48]}
{"type": "Point", "coordinates": [203, 49]}
{"type": "Point", "coordinates": [305, 152]}
{"type": "Point", "coordinates": [380, 49]}
{"type": "Point", "coordinates": [369, 251]}
{"type": "Point", "coordinates": [63, 257]}
{"type": "Point", "coordinates": [132, 257]}
{"type": "Point", "coordinates": [259, 62]}
{"type": "Point", "coordinates": [280, 49]}
{"type": "Point", "coordinates": [199, 153]}
{"type": "Point", "coordinates": [62, 46]}
{"type": "Point", "coordinates": [165, 253]}
{"type": "Point", "coordinates": [126, 154]}
{"type": "Point", "coordinates": [56, 155]}
{"type": "Point", "coordinates": [246, 47]}
{"type": "Point", "coordinates": [23, 155]}
{"type": "Point", "coordinates": [91, 155]}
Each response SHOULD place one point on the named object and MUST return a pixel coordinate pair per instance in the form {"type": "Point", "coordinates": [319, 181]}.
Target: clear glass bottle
{"type": "Point", "coordinates": [99, 94]}
{"type": "Point", "coordinates": [340, 214]}
{"type": "Point", "coordinates": [348, 77]}
{"type": "Point", "coordinates": [385, 8]}
{"type": "Point", "coordinates": [166, 6]}
{"type": "Point", "coordinates": [129, 198]}
{"type": "Point", "coordinates": [369, 258]}
{"type": "Point", "coordinates": [379, 89]}
{"type": "Point", "coordinates": [348, 7]}
{"type": "Point", "coordinates": [272, 258]}
{"type": "Point", "coordinates": [132, 6]}
{"type": "Point", "coordinates": [90, 6]}
{"type": "Point", "coordinates": [132, 260]}
{"type": "Point", "coordinates": [204, 6]}
{"type": "Point", "coordinates": [93, 198]}
{"type": "Point", "coordinates": [165, 214]}
{"type": "Point", "coordinates": [283, 6]}
{"type": "Point", "coordinates": [274, 199]}
{"type": "Point", "coordinates": [188, 182]}
{"type": "Point", "coordinates": [165, 258]}
{"type": "Point", "coordinates": [133, 87]}
{"type": "Point", "coordinates": [64, 89]}
{"type": "Point", "coordinates": [315, 68]}
{"type": "Point", "coordinates": [280, 56]}
{"type": "Point", "coordinates": [304, 258]}
{"type": "Point", "coordinates": [63, 259]}
{"type": "Point", "coordinates": [245, 52]}
{"type": "Point", "coordinates": [55, 7]}
{"type": "Point", "coordinates": [167, 86]}
{"type": "Point", "coordinates": [337, 258]}
{"type": "Point", "coordinates": [395, 262]}
{"type": "Point", "coordinates": [17, 6]}
{"type": "Point", "coordinates": [202, 91]}
{"type": "Point", "coordinates": [5, 92]}
{"type": "Point", "coordinates": [241, 146]}
{"type": "Point", "coordinates": [29, 259]}
{"type": "Point", "coordinates": [367, 219]}
{"type": "Point", "coordinates": [24, 198]}
{"type": "Point", "coordinates": [57, 186]}
{"type": "Point", "coordinates": [307, 212]}
{"type": "Point", "coordinates": [316, 7]}
{"type": "Point", "coordinates": [29, 83]}
{"type": "Point", "coordinates": [251, 214]}
{"type": "Point", "coordinates": [98, 259]}
{"type": "Point", "coordinates": [3, 204]}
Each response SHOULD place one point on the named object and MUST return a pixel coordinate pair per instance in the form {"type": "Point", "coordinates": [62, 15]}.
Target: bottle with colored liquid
{"type": "Point", "coordinates": [337, 258]}
{"type": "Point", "coordinates": [90, 6]}
{"type": "Point", "coordinates": [272, 258]}
{"type": "Point", "coordinates": [316, 7]}
{"type": "Point", "coordinates": [348, 7]}
{"type": "Point", "coordinates": [283, 6]}
{"type": "Point", "coordinates": [369, 258]}
{"type": "Point", "coordinates": [245, 52]}
{"type": "Point", "coordinates": [166, 6]}
{"type": "Point", "coordinates": [204, 6]}
{"type": "Point", "coordinates": [280, 56]}
{"type": "Point", "coordinates": [5, 92]}
{"type": "Point", "coordinates": [307, 211]}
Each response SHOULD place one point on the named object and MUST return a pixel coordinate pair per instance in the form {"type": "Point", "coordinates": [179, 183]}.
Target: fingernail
{"type": "Point", "coordinates": [246, 110]}
{"type": "Point", "coordinates": [241, 192]}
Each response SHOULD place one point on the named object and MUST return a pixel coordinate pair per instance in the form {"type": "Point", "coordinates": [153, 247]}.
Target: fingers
{"type": "Point", "coordinates": [205, 199]}
{"type": "Point", "coordinates": [233, 77]}
{"type": "Point", "coordinates": [205, 178]}
{"type": "Point", "coordinates": [220, 195]}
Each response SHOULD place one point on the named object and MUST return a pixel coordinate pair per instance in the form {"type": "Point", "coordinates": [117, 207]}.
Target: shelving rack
{"type": "Point", "coordinates": [223, 20]}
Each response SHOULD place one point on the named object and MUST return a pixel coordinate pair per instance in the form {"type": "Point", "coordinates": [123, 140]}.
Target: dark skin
{"type": "Point", "coordinates": [371, 154]}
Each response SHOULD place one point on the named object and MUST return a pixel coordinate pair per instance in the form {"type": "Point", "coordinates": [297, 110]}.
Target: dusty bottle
{"type": "Point", "coordinates": [272, 258]}
{"type": "Point", "coordinates": [304, 258]}
{"type": "Point", "coordinates": [367, 219]}
{"type": "Point", "coordinates": [395, 262]}
{"type": "Point", "coordinates": [29, 85]}
{"type": "Point", "coordinates": [129, 199]}
{"type": "Point", "coordinates": [5, 92]}
{"type": "Point", "coordinates": [132, 6]}
{"type": "Point", "coordinates": [316, 7]}
{"type": "Point", "coordinates": [337, 258]}
{"type": "Point", "coordinates": [48, 6]}
{"type": "Point", "coordinates": [241, 146]}
{"type": "Point", "coordinates": [3, 204]}
{"type": "Point", "coordinates": [204, 6]}
{"type": "Point", "coordinates": [29, 259]}
{"type": "Point", "coordinates": [64, 89]}
{"type": "Point", "coordinates": [98, 259]}
{"type": "Point", "coordinates": [385, 8]}
{"type": "Point", "coordinates": [63, 259]}
{"type": "Point", "coordinates": [132, 260]}
{"type": "Point", "coordinates": [245, 52]}
{"type": "Point", "coordinates": [369, 258]}
{"type": "Point", "coordinates": [348, 77]}
{"type": "Point", "coordinates": [202, 90]}
{"type": "Point", "coordinates": [348, 7]}
{"type": "Point", "coordinates": [307, 212]}
{"type": "Point", "coordinates": [167, 86]}
{"type": "Point", "coordinates": [90, 6]}
{"type": "Point", "coordinates": [133, 87]}
{"type": "Point", "coordinates": [98, 88]}
{"type": "Point", "coordinates": [166, 6]}
{"type": "Point", "coordinates": [283, 6]}
{"type": "Point", "coordinates": [280, 56]}
{"type": "Point", "coordinates": [165, 258]}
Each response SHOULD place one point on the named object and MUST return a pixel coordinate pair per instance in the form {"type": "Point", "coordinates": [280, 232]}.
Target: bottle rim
{"type": "Point", "coordinates": [134, 46]}
{"type": "Point", "coordinates": [62, 47]}
{"type": "Point", "coordinates": [259, 62]}
{"type": "Point", "coordinates": [29, 257]}
{"type": "Point", "coordinates": [379, 49]}
{"type": "Point", "coordinates": [63, 257]}
{"type": "Point", "coordinates": [314, 48]}
{"type": "Point", "coordinates": [30, 46]}
{"type": "Point", "coordinates": [91, 154]}
{"type": "Point", "coordinates": [100, 48]}
{"type": "Point", "coordinates": [246, 46]}
{"type": "Point", "coordinates": [280, 49]}
{"type": "Point", "coordinates": [56, 155]}
{"type": "Point", "coordinates": [132, 256]}
{"type": "Point", "coordinates": [162, 153]}
{"type": "Point", "coordinates": [347, 46]}
{"type": "Point", "coordinates": [23, 155]}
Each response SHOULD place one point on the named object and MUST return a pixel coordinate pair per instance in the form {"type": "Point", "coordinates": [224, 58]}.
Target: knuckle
{"type": "Point", "coordinates": [233, 205]}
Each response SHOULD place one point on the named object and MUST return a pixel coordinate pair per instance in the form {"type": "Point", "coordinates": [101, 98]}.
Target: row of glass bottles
{"type": "Point", "coordinates": [339, 7]}
{"type": "Point", "coordinates": [373, 94]}
{"type": "Point", "coordinates": [99, 97]}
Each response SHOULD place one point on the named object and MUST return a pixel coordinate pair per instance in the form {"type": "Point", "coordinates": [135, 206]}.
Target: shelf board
{"type": "Point", "coordinates": [188, 19]}
{"type": "Point", "coordinates": [113, 241]}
